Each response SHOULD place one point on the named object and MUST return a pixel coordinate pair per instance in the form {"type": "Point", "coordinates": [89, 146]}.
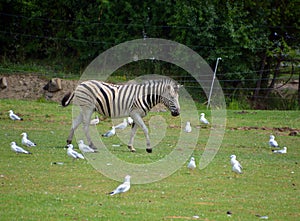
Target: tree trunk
{"type": "Point", "coordinates": [276, 73]}
{"type": "Point", "coordinates": [299, 90]}
{"type": "Point", "coordinates": [258, 83]}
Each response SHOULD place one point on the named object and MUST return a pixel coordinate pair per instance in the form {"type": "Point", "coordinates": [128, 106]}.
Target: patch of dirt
{"type": "Point", "coordinates": [291, 131]}
{"type": "Point", "coordinates": [30, 86]}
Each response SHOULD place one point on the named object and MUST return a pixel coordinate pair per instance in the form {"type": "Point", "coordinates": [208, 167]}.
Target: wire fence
{"type": "Point", "coordinates": [286, 88]}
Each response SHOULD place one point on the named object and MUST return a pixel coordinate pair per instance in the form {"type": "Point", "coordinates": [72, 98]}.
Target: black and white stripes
{"type": "Point", "coordinates": [132, 99]}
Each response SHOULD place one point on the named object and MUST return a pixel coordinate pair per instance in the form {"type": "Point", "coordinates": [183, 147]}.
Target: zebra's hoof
{"type": "Point", "coordinates": [149, 150]}
{"type": "Point", "coordinates": [131, 149]}
{"type": "Point", "coordinates": [93, 146]}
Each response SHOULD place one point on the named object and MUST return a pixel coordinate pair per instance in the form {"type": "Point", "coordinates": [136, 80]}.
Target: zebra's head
{"type": "Point", "coordinates": [170, 98]}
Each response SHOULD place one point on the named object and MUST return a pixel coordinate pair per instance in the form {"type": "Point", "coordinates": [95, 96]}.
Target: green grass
{"type": "Point", "coordinates": [32, 188]}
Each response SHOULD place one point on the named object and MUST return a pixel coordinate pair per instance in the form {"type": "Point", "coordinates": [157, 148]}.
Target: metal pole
{"type": "Point", "coordinates": [212, 83]}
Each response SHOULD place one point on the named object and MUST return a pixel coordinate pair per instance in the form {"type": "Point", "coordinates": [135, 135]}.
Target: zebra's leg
{"type": "Point", "coordinates": [75, 124]}
{"type": "Point", "coordinates": [133, 132]}
{"type": "Point", "coordinates": [139, 121]}
{"type": "Point", "coordinates": [87, 113]}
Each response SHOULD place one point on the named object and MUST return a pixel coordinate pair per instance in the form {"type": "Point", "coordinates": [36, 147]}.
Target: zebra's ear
{"type": "Point", "coordinates": [177, 87]}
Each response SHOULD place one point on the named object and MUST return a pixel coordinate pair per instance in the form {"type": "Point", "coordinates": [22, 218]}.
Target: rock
{"type": "Point", "coordinates": [53, 85]}
{"type": "Point", "coordinates": [293, 133]}
{"type": "Point", "coordinates": [3, 83]}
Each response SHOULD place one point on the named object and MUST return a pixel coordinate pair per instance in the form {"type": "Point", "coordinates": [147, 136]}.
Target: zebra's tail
{"type": "Point", "coordinates": [67, 99]}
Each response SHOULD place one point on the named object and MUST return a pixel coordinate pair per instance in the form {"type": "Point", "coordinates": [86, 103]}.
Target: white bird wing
{"type": "Point", "coordinates": [109, 133]}
{"type": "Point", "coordinates": [28, 143]}
{"type": "Point", "coordinates": [188, 129]}
{"type": "Point", "coordinates": [124, 187]}
{"type": "Point", "coordinates": [19, 149]}
{"type": "Point", "coordinates": [204, 120]}
{"type": "Point", "coordinates": [121, 126]}
{"type": "Point", "coordinates": [236, 168]}
{"type": "Point", "coordinates": [280, 151]}
{"type": "Point", "coordinates": [273, 143]}
{"type": "Point", "coordinates": [78, 155]}
{"type": "Point", "coordinates": [85, 148]}
{"type": "Point", "coordinates": [192, 165]}
{"type": "Point", "coordinates": [74, 154]}
{"type": "Point", "coordinates": [14, 116]}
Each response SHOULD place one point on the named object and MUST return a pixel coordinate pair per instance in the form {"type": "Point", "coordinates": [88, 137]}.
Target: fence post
{"type": "Point", "coordinates": [212, 83]}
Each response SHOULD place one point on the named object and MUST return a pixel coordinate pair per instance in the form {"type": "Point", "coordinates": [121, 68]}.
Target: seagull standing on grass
{"type": "Point", "coordinates": [273, 142]}
{"type": "Point", "coordinates": [110, 133]}
{"type": "Point", "coordinates": [236, 166]}
{"type": "Point", "coordinates": [26, 141]}
{"type": "Point", "coordinates": [124, 187]}
{"type": "Point", "coordinates": [95, 121]}
{"type": "Point", "coordinates": [84, 148]}
{"type": "Point", "coordinates": [14, 116]}
{"type": "Point", "coordinates": [18, 149]}
{"type": "Point", "coordinates": [284, 150]}
{"type": "Point", "coordinates": [122, 125]}
{"type": "Point", "coordinates": [203, 119]}
{"type": "Point", "coordinates": [192, 164]}
{"type": "Point", "coordinates": [72, 153]}
{"type": "Point", "coordinates": [188, 127]}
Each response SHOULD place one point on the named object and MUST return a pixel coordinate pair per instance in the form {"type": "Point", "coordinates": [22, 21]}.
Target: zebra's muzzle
{"type": "Point", "coordinates": [175, 113]}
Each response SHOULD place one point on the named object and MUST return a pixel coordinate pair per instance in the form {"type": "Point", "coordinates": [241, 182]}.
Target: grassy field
{"type": "Point", "coordinates": [33, 188]}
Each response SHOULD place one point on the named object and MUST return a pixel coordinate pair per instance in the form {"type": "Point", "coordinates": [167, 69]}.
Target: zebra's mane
{"type": "Point", "coordinates": [151, 79]}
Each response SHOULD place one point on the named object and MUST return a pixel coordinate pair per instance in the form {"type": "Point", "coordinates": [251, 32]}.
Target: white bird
{"type": "Point", "coordinates": [272, 141]}
{"type": "Point", "coordinates": [124, 187]}
{"type": "Point", "coordinates": [95, 121]}
{"type": "Point", "coordinates": [130, 120]}
{"type": "Point", "coordinates": [236, 166]}
{"type": "Point", "coordinates": [26, 141]}
{"type": "Point", "coordinates": [14, 116]}
{"type": "Point", "coordinates": [188, 127]}
{"type": "Point", "coordinates": [284, 150]}
{"type": "Point", "coordinates": [84, 148]}
{"type": "Point", "coordinates": [192, 164]}
{"type": "Point", "coordinates": [110, 132]}
{"type": "Point", "coordinates": [18, 149]}
{"type": "Point", "coordinates": [203, 119]}
{"type": "Point", "coordinates": [72, 153]}
{"type": "Point", "coordinates": [122, 125]}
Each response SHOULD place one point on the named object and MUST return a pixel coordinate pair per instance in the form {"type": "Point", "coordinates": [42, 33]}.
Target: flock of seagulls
{"type": "Point", "coordinates": [25, 141]}
{"type": "Point", "coordinates": [188, 127]}
{"type": "Point", "coordinates": [124, 187]}
{"type": "Point", "coordinates": [236, 166]}
{"type": "Point", "coordinates": [273, 143]}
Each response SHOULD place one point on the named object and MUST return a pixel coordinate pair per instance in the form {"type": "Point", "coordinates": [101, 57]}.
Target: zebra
{"type": "Point", "coordinates": [133, 99]}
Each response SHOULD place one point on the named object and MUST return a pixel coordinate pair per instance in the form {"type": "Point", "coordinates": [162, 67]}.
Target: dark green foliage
{"type": "Point", "coordinates": [253, 38]}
